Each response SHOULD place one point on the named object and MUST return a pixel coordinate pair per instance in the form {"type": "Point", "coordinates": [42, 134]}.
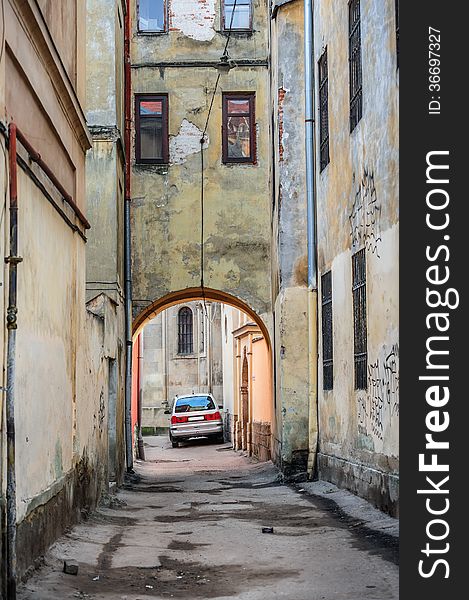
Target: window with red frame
{"type": "Point", "coordinates": [151, 125]}
{"type": "Point", "coordinates": [239, 128]}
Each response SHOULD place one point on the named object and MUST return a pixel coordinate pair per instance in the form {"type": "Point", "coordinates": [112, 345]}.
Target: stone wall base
{"type": "Point", "coordinates": [377, 487]}
{"type": "Point", "coordinates": [53, 511]}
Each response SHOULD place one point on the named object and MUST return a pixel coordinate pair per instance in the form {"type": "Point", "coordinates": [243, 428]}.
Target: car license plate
{"type": "Point", "coordinates": [196, 418]}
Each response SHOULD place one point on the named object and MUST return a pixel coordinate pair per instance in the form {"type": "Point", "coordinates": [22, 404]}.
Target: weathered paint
{"type": "Point", "coordinates": [63, 349]}
{"type": "Point", "coordinates": [244, 344]}
{"type": "Point", "coordinates": [195, 19]}
{"type": "Point", "coordinates": [166, 199]}
{"type": "Point", "coordinates": [289, 264]}
{"type": "Point", "coordinates": [358, 208]}
{"type": "Point", "coordinates": [104, 190]}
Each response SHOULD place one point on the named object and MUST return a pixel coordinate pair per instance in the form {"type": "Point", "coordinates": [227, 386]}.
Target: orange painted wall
{"type": "Point", "coordinates": [261, 382]}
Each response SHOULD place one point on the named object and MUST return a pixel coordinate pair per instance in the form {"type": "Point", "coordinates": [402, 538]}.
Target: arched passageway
{"type": "Point", "coordinates": [210, 342]}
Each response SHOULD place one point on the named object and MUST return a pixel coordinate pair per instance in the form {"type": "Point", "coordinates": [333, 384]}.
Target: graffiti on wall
{"type": "Point", "coordinates": [380, 405]}
{"type": "Point", "coordinates": [365, 215]}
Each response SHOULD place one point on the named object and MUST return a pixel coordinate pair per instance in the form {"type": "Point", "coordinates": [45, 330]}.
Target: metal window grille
{"type": "Point", "coordinates": [355, 64]}
{"type": "Point", "coordinates": [327, 344]}
{"type": "Point", "coordinates": [323, 112]}
{"type": "Point", "coordinates": [185, 331]}
{"type": "Point", "coordinates": [359, 319]}
{"type": "Point", "coordinates": [397, 32]}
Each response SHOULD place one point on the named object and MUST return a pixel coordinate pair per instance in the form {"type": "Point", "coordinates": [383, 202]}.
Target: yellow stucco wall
{"type": "Point", "coordinates": [166, 215]}
{"type": "Point", "coordinates": [357, 206]}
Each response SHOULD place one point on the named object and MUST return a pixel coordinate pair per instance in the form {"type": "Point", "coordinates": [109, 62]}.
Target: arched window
{"type": "Point", "coordinates": [185, 331]}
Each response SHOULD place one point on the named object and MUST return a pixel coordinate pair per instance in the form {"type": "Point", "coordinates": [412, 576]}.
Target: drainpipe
{"type": "Point", "coordinates": [311, 232]}
{"type": "Point", "coordinates": [12, 311]}
{"type": "Point", "coordinates": [127, 249]}
{"type": "Point", "coordinates": [140, 447]}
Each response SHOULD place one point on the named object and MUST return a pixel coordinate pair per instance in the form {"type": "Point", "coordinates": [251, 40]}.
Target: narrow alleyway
{"type": "Point", "coordinates": [190, 526]}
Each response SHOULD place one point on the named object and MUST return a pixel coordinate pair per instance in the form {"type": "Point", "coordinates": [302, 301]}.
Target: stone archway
{"type": "Point", "coordinates": [241, 419]}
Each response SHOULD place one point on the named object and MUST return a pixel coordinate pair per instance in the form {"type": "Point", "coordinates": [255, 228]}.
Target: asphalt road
{"type": "Point", "coordinates": [190, 525]}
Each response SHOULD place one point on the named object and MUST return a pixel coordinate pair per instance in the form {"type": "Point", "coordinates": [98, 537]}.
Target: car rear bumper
{"type": "Point", "coordinates": [198, 429]}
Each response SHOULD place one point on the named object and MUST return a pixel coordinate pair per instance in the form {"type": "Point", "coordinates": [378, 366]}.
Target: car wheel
{"type": "Point", "coordinates": [219, 439]}
{"type": "Point", "coordinates": [174, 443]}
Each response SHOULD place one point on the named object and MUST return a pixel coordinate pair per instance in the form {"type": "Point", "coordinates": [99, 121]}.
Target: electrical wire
{"type": "Point", "coordinates": [202, 167]}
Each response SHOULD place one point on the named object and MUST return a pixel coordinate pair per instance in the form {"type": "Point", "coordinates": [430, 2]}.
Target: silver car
{"type": "Point", "coordinates": [195, 415]}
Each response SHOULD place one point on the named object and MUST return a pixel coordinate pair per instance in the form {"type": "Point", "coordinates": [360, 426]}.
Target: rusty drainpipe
{"type": "Point", "coordinates": [127, 246]}
{"type": "Point", "coordinates": [12, 310]}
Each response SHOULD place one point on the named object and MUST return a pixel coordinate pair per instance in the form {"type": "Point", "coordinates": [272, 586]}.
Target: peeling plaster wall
{"type": "Point", "coordinates": [63, 350]}
{"type": "Point", "coordinates": [195, 19]}
{"type": "Point", "coordinates": [105, 201]}
{"type": "Point", "coordinates": [166, 199]}
{"type": "Point", "coordinates": [358, 208]}
{"type": "Point", "coordinates": [289, 241]}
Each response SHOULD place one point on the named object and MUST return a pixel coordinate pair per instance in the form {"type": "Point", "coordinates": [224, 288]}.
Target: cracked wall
{"type": "Point", "coordinates": [166, 199]}
{"type": "Point", "coordinates": [358, 206]}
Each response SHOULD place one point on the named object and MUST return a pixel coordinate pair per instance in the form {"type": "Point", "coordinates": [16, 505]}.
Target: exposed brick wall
{"type": "Point", "coordinates": [281, 98]}
{"type": "Point", "coordinates": [194, 18]}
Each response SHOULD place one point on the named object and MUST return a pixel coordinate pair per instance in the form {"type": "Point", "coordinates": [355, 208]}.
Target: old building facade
{"type": "Point", "coordinates": [58, 340]}
{"type": "Point", "coordinates": [259, 171]}
{"type": "Point", "coordinates": [247, 383]}
{"type": "Point", "coordinates": [179, 353]}
{"type": "Point", "coordinates": [358, 251]}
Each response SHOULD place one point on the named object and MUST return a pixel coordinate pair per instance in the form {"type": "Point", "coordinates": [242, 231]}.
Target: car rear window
{"type": "Point", "coordinates": [194, 403]}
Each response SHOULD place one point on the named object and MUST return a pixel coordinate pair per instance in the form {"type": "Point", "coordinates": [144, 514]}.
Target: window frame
{"type": "Point", "coordinates": [323, 102]}
{"type": "Point", "coordinates": [251, 97]}
{"type": "Point", "coordinates": [185, 338]}
{"type": "Point", "coordinates": [225, 26]}
{"type": "Point", "coordinates": [154, 31]}
{"type": "Point", "coordinates": [360, 320]}
{"type": "Point", "coordinates": [355, 58]}
{"type": "Point", "coordinates": [165, 129]}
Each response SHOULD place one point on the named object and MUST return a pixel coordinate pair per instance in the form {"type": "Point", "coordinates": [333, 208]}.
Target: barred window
{"type": "Point", "coordinates": [355, 64]}
{"type": "Point", "coordinates": [327, 344]}
{"type": "Point", "coordinates": [359, 319]}
{"type": "Point", "coordinates": [323, 112]}
{"type": "Point", "coordinates": [185, 331]}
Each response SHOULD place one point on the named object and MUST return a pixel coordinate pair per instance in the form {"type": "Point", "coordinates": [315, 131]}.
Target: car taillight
{"type": "Point", "coordinates": [175, 419]}
{"type": "Point", "coordinates": [213, 417]}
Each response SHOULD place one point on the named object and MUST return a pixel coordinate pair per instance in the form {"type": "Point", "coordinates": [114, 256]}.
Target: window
{"type": "Point", "coordinates": [152, 16]}
{"type": "Point", "coordinates": [238, 128]}
{"type": "Point", "coordinates": [359, 319]}
{"type": "Point", "coordinates": [355, 64]}
{"type": "Point", "coordinates": [151, 123]}
{"type": "Point", "coordinates": [237, 15]}
{"type": "Point", "coordinates": [327, 357]}
{"type": "Point", "coordinates": [323, 112]}
{"type": "Point", "coordinates": [194, 403]}
{"type": "Point", "coordinates": [185, 331]}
